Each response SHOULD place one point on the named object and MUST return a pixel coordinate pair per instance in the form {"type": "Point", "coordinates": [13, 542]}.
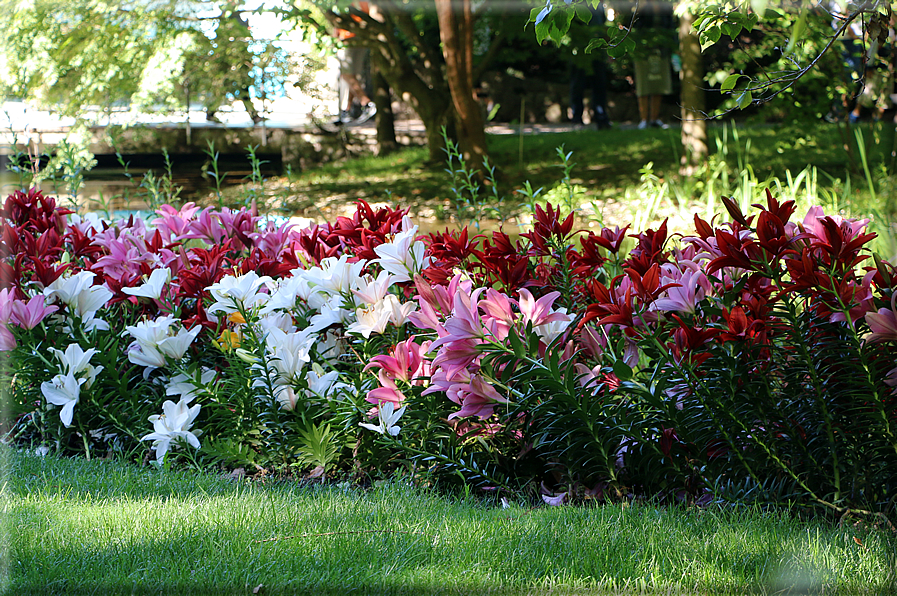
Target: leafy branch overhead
{"type": "Point", "coordinates": [717, 22]}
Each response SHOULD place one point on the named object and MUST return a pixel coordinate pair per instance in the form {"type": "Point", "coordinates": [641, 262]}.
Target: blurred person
{"type": "Point", "coordinates": [655, 35]}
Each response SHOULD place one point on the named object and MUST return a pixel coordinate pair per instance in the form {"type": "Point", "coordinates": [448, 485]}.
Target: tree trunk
{"type": "Point", "coordinates": [385, 119]}
{"type": "Point", "coordinates": [456, 32]}
{"type": "Point", "coordinates": [694, 122]}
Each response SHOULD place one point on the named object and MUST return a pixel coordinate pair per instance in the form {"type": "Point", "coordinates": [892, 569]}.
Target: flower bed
{"type": "Point", "coordinates": [751, 360]}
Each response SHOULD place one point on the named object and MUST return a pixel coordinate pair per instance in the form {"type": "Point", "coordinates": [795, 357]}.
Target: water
{"type": "Point", "coordinates": [107, 186]}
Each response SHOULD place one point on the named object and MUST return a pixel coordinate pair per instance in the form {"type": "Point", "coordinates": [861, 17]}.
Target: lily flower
{"type": "Point", "coordinates": [63, 390]}
{"type": "Point", "coordinates": [189, 388]}
{"type": "Point", "coordinates": [28, 315]}
{"type": "Point", "coordinates": [883, 324]}
{"type": "Point", "coordinates": [153, 286]}
{"type": "Point", "coordinates": [540, 312]}
{"type": "Point", "coordinates": [67, 289]}
{"type": "Point", "coordinates": [403, 257]}
{"type": "Point", "coordinates": [321, 384]}
{"type": "Point", "coordinates": [173, 426]}
{"type": "Point", "coordinates": [75, 361]}
{"type": "Point", "coordinates": [388, 416]}
{"type": "Point", "coordinates": [176, 346]}
{"type": "Point", "coordinates": [233, 292]}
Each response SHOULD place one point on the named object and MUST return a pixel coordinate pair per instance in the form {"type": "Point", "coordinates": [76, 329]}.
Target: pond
{"type": "Point", "coordinates": [110, 185]}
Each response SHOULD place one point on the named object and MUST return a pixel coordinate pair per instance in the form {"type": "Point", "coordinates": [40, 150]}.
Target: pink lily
{"type": "Point", "coordinates": [465, 320]}
{"type": "Point", "coordinates": [457, 355]}
{"type": "Point", "coordinates": [476, 398]}
{"type": "Point", "coordinates": [387, 392]}
{"type": "Point", "coordinates": [7, 339]}
{"type": "Point", "coordinates": [28, 315]}
{"type": "Point", "coordinates": [691, 288]}
{"type": "Point", "coordinates": [499, 315]}
{"type": "Point", "coordinates": [883, 324]}
{"type": "Point", "coordinates": [406, 362]}
{"type": "Point", "coordinates": [175, 223]}
{"type": "Point", "coordinates": [539, 311]}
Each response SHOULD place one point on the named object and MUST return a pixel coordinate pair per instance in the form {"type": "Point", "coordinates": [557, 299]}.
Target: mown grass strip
{"type": "Point", "coordinates": [102, 527]}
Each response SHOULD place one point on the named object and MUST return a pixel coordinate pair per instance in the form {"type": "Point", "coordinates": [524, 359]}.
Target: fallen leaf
{"type": "Point", "coordinates": [317, 472]}
{"type": "Point", "coordinates": [258, 588]}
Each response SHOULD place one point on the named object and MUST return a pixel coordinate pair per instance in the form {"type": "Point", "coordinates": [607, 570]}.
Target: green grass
{"type": "Point", "coordinates": [101, 527]}
{"type": "Point", "coordinates": [609, 171]}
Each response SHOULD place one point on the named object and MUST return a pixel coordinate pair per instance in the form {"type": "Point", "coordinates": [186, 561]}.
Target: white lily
{"type": "Point", "coordinates": [399, 311]}
{"type": "Point", "coordinates": [290, 352]}
{"type": "Point", "coordinates": [549, 331]}
{"type": "Point", "coordinates": [403, 257]}
{"type": "Point", "coordinates": [63, 390]}
{"type": "Point", "coordinates": [388, 418]}
{"type": "Point", "coordinates": [148, 356]}
{"type": "Point", "coordinates": [286, 397]}
{"type": "Point", "coordinates": [372, 319]}
{"type": "Point", "coordinates": [67, 289]}
{"type": "Point", "coordinates": [173, 426]}
{"type": "Point", "coordinates": [340, 276]}
{"type": "Point", "coordinates": [330, 313]}
{"type": "Point", "coordinates": [153, 286]}
{"type": "Point", "coordinates": [150, 332]}
{"type": "Point", "coordinates": [176, 346]}
{"type": "Point", "coordinates": [372, 291]}
{"type": "Point", "coordinates": [189, 388]}
{"type": "Point", "coordinates": [75, 361]}
{"type": "Point", "coordinates": [90, 300]}
{"type": "Point", "coordinates": [276, 320]}
{"type": "Point", "coordinates": [241, 291]}
{"type": "Point", "coordinates": [321, 384]}
{"type": "Point", "coordinates": [286, 293]}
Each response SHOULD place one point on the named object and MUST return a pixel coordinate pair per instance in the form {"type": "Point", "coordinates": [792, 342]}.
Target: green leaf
{"type": "Point", "coordinates": [534, 16]}
{"type": "Point", "coordinates": [624, 47]}
{"type": "Point", "coordinates": [542, 30]}
{"type": "Point", "coordinates": [745, 99]}
{"type": "Point", "coordinates": [709, 37]}
{"type": "Point", "coordinates": [598, 43]}
{"type": "Point", "coordinates": [759, 6]}
{"type": "Point", "coordinates": [583, 13]}
{"type": "Point", "coordinates": [797, 31]}
{"type": "Point", "coordinates": [516, 345]}
{"type": "Point", "coordinates": [730, 83]}
{"type": "Point", "coordinates": [622, 370]}
{"type": "Point", "coordinates": [731, 29]}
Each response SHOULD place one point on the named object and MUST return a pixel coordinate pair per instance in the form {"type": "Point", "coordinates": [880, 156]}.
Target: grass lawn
{"type": "Point", "coordinates": [609, 173]}
{"type": "Point", "coordinates": [102, 527]}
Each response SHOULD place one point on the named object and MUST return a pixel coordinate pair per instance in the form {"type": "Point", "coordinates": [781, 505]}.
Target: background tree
{"type": "Point", "coordinates": [456, 23]}
{"type": "Point", "coordinates": [769, 47]}
{"type": "Point", "coordinates": [68, 55]}
{"type": "Point", "coordinates": [425, 50]}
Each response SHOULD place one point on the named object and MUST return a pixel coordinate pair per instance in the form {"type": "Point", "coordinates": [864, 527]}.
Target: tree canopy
{"type": "Point", "coordinates": [146, 53]}
{"type": "Point", "coordinates": [775, 44]}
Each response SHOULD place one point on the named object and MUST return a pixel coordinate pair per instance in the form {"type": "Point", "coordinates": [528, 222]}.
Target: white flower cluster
{"type": "Point", "coordinates": [334, 294]}
{"type": "Point", "coordinates": [82, 298]}
{"type": "Point", "coordinates": [65, 388]}
{"type": "Point", "coordinates": [157, 340]}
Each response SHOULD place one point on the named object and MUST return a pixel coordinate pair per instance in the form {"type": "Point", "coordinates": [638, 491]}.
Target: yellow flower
{"type": "Point", "coordinates": [236, 318]}
{"type": "Point", "coordinates": [228, 340]}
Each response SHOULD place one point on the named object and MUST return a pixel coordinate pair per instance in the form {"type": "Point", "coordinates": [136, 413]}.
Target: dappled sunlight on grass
{"type": "Point", "coordinates": [111, 527]}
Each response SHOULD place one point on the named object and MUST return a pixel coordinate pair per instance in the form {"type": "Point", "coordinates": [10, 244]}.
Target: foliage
{"type": "Point", "coordinates": [782, 43]}
{"type": "Point", "coordinates": [748, 361]}
{"type": "Point", "coordinates": [83, 55]}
